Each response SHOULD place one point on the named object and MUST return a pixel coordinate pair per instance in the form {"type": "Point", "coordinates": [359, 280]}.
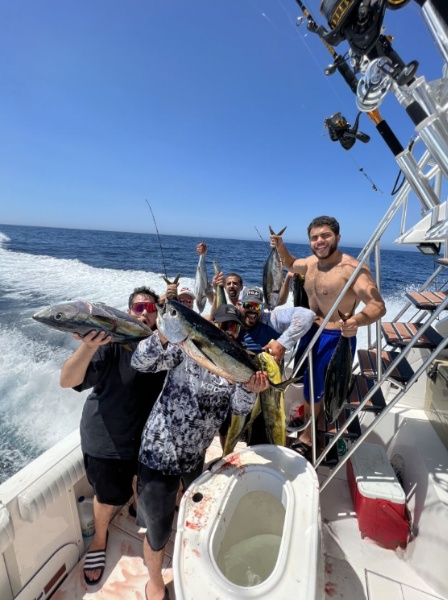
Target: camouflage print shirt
{"type": "Point", "coordinates": [189, 410]}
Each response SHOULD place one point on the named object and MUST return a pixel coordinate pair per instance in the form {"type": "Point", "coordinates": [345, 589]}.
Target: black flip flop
{"type": "Point", "coordinates": [95, 560]}
{"type": "Point", "coordinates": [303, 449]}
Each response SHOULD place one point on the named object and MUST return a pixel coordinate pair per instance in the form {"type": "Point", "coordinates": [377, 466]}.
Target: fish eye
{"type": "Point", "coordinates": [58, 316]}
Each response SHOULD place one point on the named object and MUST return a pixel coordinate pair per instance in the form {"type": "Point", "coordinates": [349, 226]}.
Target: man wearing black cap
{"type": "Point", "coordinates": [273, 332]}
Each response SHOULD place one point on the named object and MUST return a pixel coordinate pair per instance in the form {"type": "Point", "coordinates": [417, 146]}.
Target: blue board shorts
{"type": "Point", "coordinates": [322, 353]}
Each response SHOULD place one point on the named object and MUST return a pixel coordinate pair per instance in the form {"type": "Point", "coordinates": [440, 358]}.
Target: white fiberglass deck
{"type": "Point", "coordinates": [355, 568]}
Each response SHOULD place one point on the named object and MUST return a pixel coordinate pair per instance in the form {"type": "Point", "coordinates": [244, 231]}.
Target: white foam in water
{"type": "Point", "coordinates": [35, 412]}
{"type": "Point", "coordinates": [33, 407]}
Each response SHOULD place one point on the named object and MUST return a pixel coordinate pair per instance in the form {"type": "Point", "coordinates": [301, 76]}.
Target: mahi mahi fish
{"type": "Point", "coordinates": [201, 283]}
{"type": "Point", "coordinates": [338, 376]}
{"type": "Point", "coordinates": [270, 402]}
{"type": "Point", "coordinates": [220, 293]}
{"type": "Point", "coordinates": [207, 344]}
{"type": "Point", "coordinates": [80, 316]}
{"type": "Point", "coordinates": [272, 275]}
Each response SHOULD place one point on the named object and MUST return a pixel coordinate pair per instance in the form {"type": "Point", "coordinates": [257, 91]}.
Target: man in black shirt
{"type": "Point", "coordinates": [113, 418]}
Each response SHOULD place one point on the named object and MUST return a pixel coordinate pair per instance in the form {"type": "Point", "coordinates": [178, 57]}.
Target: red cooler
{"type": "Point", "coordinates": [380, 502]}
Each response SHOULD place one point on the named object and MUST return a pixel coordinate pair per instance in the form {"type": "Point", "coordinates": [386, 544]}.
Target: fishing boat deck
{"type": "Point", "coordinates": [354, 568]}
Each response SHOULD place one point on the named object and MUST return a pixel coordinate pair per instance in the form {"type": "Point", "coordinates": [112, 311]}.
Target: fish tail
{"type": "Point", "coordinates": [346, 316]}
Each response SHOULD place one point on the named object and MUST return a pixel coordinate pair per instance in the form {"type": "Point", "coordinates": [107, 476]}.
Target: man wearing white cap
{"type": "Point", "coordinates": [186, 296]}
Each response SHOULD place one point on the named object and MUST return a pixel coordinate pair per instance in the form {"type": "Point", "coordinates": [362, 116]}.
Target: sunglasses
{"type": "Point", "coordinates": [252, 305]}
{"type": "Point", "coordinates": [186, 300]}
{"type": "Point", "coordinates": [139, 307]}
{"type": "Point", "coordinates": [229, 327]}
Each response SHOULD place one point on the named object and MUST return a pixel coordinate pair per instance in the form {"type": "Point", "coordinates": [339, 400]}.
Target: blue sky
{"type": "Point", "coordinates": [213, 112]}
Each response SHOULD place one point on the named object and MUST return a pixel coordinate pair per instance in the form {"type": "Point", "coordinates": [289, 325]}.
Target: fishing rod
{"type": "Point", "coordinates": [161, 249]}
{"type": "Point", "coordinates": [340, 64]}
{"type": "Point", "coordinates": [261, 238]}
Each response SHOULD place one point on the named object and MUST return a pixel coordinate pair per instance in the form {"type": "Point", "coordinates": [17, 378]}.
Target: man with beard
{"type": "Point", "coordinates": [326, 272]}
{"type": "Point", "coordinates": [273, 332]}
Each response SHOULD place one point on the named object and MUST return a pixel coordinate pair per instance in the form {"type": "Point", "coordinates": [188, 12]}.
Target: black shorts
{"type": "Point", "coordinates": [157, 502]}
{"type": "Point", "coordinates": [111, 478]}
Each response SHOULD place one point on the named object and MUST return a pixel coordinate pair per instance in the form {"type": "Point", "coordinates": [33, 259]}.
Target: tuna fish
{"type": "Point", "coordinates": [206, 344]}
{"type": "Point", "coordinates": [272, 275]}
{"type": "Point", "coordinates": [80, 316]}
{"type": "Point", "coordinates": [201, 283]}
{"type": "Point", "coordinates": [338, 377]}
{"type": "Point", "coordinates": [299, 295]}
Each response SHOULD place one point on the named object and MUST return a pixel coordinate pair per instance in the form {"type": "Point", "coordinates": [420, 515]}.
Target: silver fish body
{"type": "Point", "coordinates": [272, 276]}
{"type": "Point", "coordinates": [207, 344]}
{"type": "Point", "coordinates": [81, 316]}
{"type": "Point", "coordinates": [201, 283]}
{"type": "Point", "coordinates": [204, 342]}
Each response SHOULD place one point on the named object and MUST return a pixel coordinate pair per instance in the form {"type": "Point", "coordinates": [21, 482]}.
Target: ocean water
{"type": "Point", "coordinates": [41, 266]}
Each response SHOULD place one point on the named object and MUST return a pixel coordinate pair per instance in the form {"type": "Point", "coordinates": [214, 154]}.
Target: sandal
{"type": "Point", "coordinates": [95, 560]}
{"type": "Point", "coordinates": [303, 449]}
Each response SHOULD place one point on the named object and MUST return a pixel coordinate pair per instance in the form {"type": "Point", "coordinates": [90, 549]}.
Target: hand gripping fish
{"type": "Point", "coordinates": [82, 317]}
{"type": "Point", "coordinates": [270, 402]}
{"type": "Point", "coordinates": [272, 275]}
{"type": "Point", "coordinates": [220, 293]}
{"type": "Point", "coordinates": [338, 376]}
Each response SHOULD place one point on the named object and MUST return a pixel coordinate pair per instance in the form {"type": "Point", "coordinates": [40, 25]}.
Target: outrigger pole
{"type": "Point", "coordinates": [349, 77]}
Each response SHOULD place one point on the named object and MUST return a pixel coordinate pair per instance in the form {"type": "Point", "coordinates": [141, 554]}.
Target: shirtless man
{"type": "Point", "coordinates": [326, 272]}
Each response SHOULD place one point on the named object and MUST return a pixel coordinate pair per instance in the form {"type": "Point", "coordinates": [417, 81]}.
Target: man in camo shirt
{"type": "Point", "coordinates": [185, 418]}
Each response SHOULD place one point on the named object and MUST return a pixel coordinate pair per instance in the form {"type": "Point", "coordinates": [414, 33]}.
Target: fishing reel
{"type": "Point", "coordinates": [357, 21]}
{"type": "Point", "coordinates": [341, 131]}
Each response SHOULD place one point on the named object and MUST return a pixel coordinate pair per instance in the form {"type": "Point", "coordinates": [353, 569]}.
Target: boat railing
{"type": "Point", "coordinates": [423, 177]}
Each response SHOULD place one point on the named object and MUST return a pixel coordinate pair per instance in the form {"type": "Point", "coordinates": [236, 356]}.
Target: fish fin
{"type": "Point", "coordinates": [282, 386]}
{"type": "Point", "coordinates": [216, 267]}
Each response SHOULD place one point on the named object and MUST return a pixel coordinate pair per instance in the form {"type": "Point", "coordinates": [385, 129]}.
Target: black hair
{"type": "Point", "coordinates": [319, 221]}
{"type": "Point", "coordinates": [240, 279]}
{"type": "Point", "coordinates": [145, 291]}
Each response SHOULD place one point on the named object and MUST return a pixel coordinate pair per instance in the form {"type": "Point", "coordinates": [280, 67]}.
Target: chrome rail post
{"type": "Point", "coordinates": [383, 413]}
{"type": "Point", "coordinates": [386, 375]}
